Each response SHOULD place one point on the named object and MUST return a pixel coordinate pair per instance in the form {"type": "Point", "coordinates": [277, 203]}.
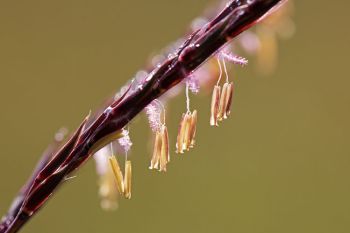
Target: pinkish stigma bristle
{"type": "Point", "coordinates": [154, 111]}
{"type": "Point", "coordinates": [125, 141]}
{"type": "Point", "coordinates": [233, 58]}
{"type": "Point", "coordinates": [193, 83]}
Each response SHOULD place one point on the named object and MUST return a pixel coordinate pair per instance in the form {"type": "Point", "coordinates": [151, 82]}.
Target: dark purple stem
{"type": "Point", "coordinates": [19, 199]}
{"type": "Point", "coordinates": [237, 16]}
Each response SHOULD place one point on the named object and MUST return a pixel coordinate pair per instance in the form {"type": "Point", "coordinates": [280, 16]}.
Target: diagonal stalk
{"type": "Point", "coordinates": [235, 18]}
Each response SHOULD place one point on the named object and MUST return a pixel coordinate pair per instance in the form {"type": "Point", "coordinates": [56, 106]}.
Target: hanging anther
{"type": "Point", "coordinates": [180, 135]}
{"type": "Point", "coordinates": [223, 102]}
{"type": "Point", "coordinates": [222, 98]}
{"type": "Point", "coordinates": [187, 128]}
{"type": "Point", "coordinates": [156, 151]}
{"type": "Point", "coordinates": [215, 105]}
{"type": "Point", "coordinates": [127, 179]}
{"type": "Point", "coordinates": [229, 100]}
{"type": "Point", "coordinates": [164, 154]}
{"type": "Point", "coordinates": [117, 173]}
{"type": "Point", "coordinates": [187, 132]}
{"type": "Point", "coordinates": [193, 128]}
{"type": "Point", "coordinates": [161, 155]}
{"type": "Point", "coordinates": [123, 182]}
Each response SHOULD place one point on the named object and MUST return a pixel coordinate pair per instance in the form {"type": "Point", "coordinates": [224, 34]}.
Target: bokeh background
{"type": "Point", "coordinates": [280, 164]}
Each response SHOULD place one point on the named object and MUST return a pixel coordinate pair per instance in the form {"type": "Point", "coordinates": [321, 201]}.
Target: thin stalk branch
{"type": "Point", "coordinates": [236, 17]}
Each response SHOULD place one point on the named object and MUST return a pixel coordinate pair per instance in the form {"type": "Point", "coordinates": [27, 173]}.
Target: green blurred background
{"type": "Point", "coordinates": [280, 164]}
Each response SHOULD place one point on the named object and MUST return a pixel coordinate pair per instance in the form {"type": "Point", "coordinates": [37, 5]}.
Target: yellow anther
{"type": "Point", "coordinates": [229, 100]}
{"type": "Point", "coordinates": [187, 134]}
{"type": "Point", "coordinates": [215, 106]}
{"type": "Point", "coordinates": [117, 173]}
{"type": "Point", "coordinates": [180, 135]}
{"type": "Point", "coordinates": [223, 102]}
{"type": "Point", "coordinates": [193, 127]}
{"type": "Point", "coordinates": [127, 180]}
{"type": "Point", "coordinates": [156, 151]}
{"type": "Point", "coordinates": [164, 155]}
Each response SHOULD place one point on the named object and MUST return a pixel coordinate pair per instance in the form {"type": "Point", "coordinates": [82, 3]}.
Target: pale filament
{"type": "Point", "coordinates": [187, 98]}
{"type": "Point", "coordinates": [225, 69]}
{"type": "Point", "coordinates": [220, 76]}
